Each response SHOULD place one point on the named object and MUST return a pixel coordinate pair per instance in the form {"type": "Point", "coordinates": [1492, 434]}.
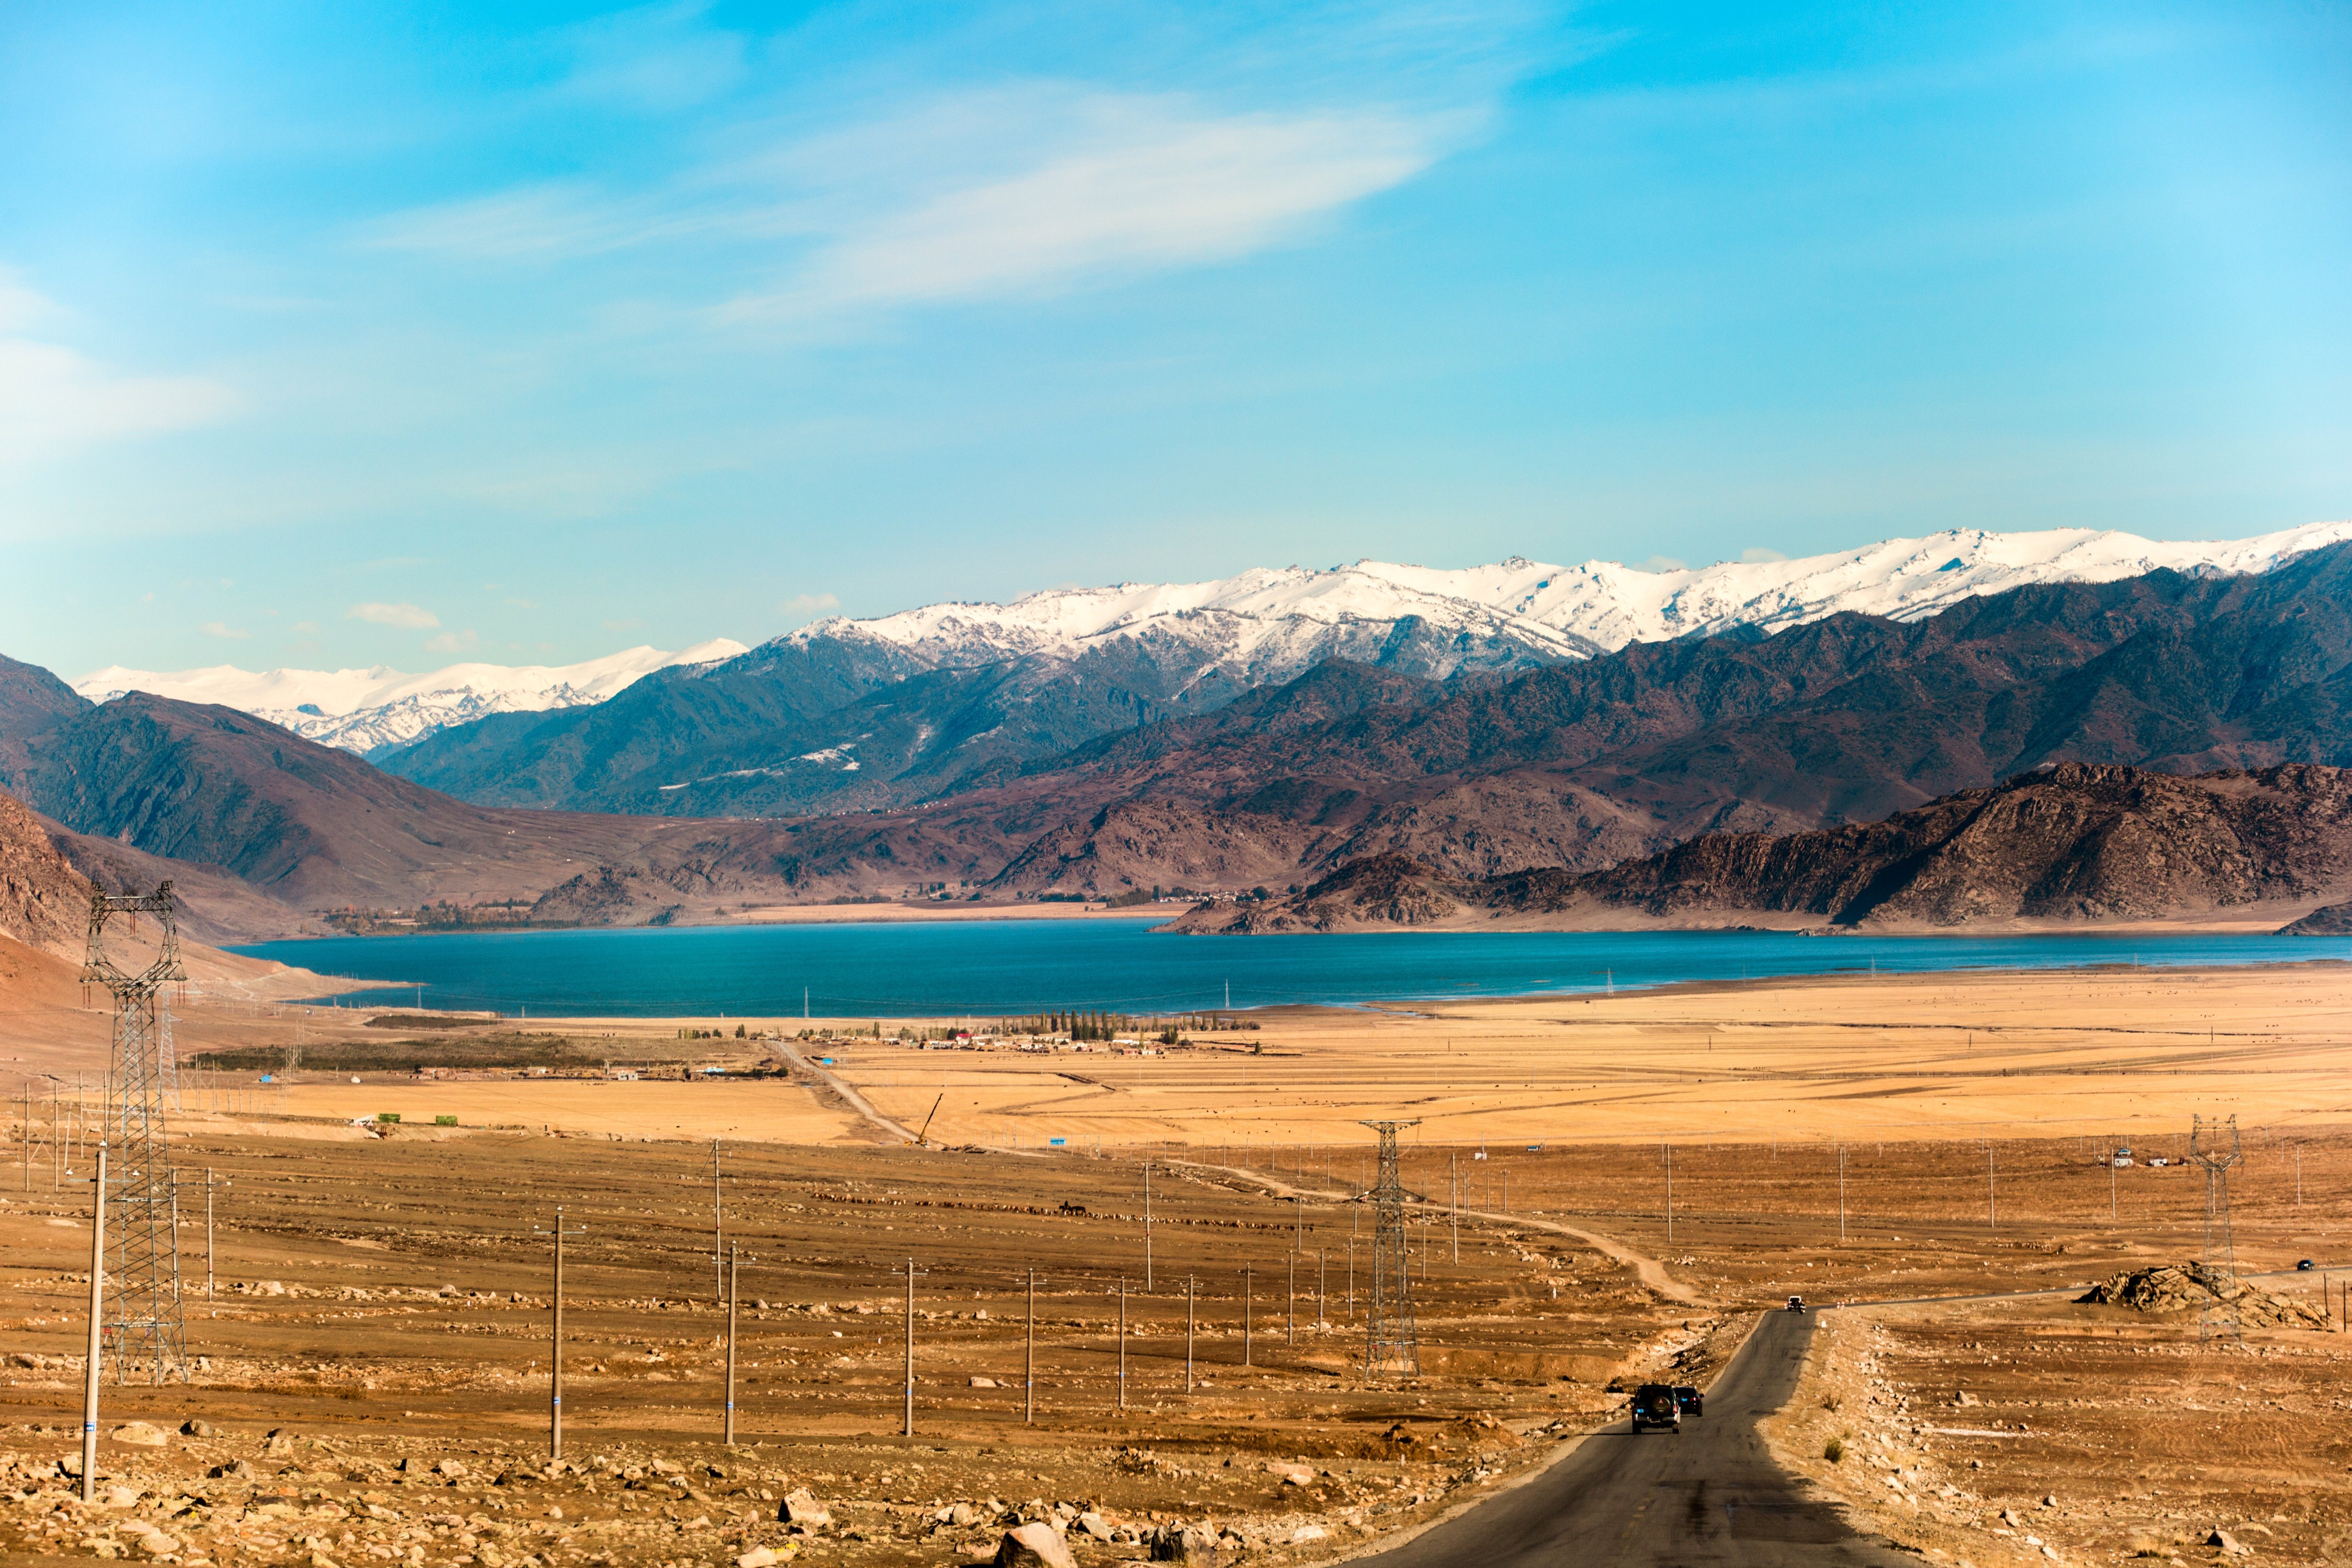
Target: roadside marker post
{"type": "Point", "coordinates": [1122, 1342]}
{"type": "Point", "coordinates": [1249, 1300]}
{"type": "Point", "coordinates": [1029, 1358]}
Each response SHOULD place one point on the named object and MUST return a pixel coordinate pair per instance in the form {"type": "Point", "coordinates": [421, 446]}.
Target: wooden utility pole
{"type": "Point", "coordinates": [908, 1429]}
{"type": "Point", "coordinates": [733, 1265]}
{"type": "Point", "coordinates": [555, 1345]}
{"type": "Point", "coordinates": [1670, 1195]}
{"type": "Point", "coordinates": [1190, 1282]}
{"type": "Point", "coordinates": [1290, 1304]}
{"type": "Point", "coordinates": [1249, 1300]}
{"type": "Point", "coordinates": [1122, 1341]}
{"type": "Point", "coordinates": [717, 1232]}
{"type": "Point", "coordinates": [1454, 1196]}
{"type": "Point", "coordinates": [96, 1308]}
{"type": "Point", "coordinates": [1146, 1228]}
{"type": "Point", "coordinates": [1029, 1357]}
{"type": "Point", "coordinates": [1322, 1259]}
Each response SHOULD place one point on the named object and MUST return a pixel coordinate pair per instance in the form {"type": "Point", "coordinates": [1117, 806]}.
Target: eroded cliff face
{"type": "Point", "coordinates": [44, 901]}
{"type": "Point", "coordinates": [2074, 844]}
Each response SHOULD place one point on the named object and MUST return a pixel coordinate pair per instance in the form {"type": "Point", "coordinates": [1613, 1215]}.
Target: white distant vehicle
{"type": "Point", "coordinates": [2123, 1158]}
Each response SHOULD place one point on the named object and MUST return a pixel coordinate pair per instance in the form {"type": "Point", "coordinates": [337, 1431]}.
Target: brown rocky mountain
{"type": "Point", "coordinates": [2072, 845]}
{"type": "Point", "coordinates": [44, 901]}
{"type": "Point", "coordinates": [1554, 772]}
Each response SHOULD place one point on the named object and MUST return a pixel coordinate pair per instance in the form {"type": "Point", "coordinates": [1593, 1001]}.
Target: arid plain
{"type": "Point", "coordinates": [1704, 1151]}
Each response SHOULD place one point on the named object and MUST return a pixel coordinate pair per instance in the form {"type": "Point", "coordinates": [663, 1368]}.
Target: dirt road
{"type": "Point", "coordinates": [1710, 1495]}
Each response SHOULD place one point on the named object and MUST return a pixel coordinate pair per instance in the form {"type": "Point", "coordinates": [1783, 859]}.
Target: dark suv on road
{"type": "Point", "coordinates": [1654, 1404]}
{"type": "Point", "coordinates": [1692, 1402]}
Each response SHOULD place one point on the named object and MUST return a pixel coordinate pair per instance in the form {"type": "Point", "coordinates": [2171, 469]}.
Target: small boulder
{"type": "Point", "coordinates": [984, 1382]}
{"type": "Point", "coordinates": [801, 1508]}
{"type": "Point", "coordinates": [2229, 1543]}
{"type": "Point", "coordinates": [193, 1428]}
{"type": "Point", "coordinates": [1964, 1399]}
{"type": "Point", "coordinates": [1092, 1524]}
{"type": "Point", "coordinates": [1290, 1475]}
{"type": "Point", "coordinates": [1186, 1544]}
{"type": "Point", "coordinates": [758, 1557]}
{"type": "Point", "coordinates": [1034, 1545]}
{"type": "Point", "coordinates": [1306, 1533]}
{"type": "Point", "coordinates": [142, 1435]}
{"type": "Point", "coordinates": [278, 1445]}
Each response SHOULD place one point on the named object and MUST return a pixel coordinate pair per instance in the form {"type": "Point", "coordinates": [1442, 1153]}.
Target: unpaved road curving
{"type": "Point", "coordinates": [849, 1097]}
{"type": "Point", "coordinates": [1709, 1495]}
{"type": "Point", "coordinates": [1653, 1272]}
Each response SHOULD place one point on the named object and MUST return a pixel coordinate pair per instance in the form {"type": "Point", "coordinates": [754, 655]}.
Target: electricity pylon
{"type": "Point", "coordinates": [143, 1324]}
{"type": "Point", "coordinates": [2214, 1145]}
{"type": "Point", "coordinates": [1391, 1341]}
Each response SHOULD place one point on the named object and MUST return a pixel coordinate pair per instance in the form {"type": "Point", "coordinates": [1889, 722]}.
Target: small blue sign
{"type": "Point", "coordinates": [1057, 1143]}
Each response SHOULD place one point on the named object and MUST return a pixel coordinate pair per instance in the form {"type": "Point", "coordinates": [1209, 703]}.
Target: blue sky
{"type": "Point", "coordinates": [338, 335]}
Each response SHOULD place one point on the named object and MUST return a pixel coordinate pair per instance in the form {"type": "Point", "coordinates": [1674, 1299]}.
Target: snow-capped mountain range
{"type": "Point", "coordinates": [1286, 618]}
{"type": "Point", "coordinates": [364, 711]}
{"type": "Point", "coordinates": [1270, 625]}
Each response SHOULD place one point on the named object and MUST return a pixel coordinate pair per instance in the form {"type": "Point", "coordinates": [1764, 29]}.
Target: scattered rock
{"type": "Point", "coordinates": [758, 1557]}
{"type": "Point", "coordinates": [1092, 1524]}
{"type": "Point", "coordinates": [1290, 1475]}
{"type": "Point", "coordinates": [984, 1382]}
{"type": "Point", "coordinates": [1034, 1545]}
{"type": "Point", "coordinates": [1186, 1544]}
{"type": "Point", "coordinates": [193, 1428]}
{"type": "Point", "coordinates": [239, 1471]}
{"type": "Point", "coordinates": [800, 1508]}
{"type": "Point", "coordinates": [279, 1444]}
{"type": "Point", "coordinates": [1306, 1532]}
{"type": "Point", "coordinates": [2229, 1543]}
{"type": "Point", "coordinates": [453, 1468]}
{"type": "Point", "coordinates": [1964, 1399]}
{"type": "Point", "coordinates": [142, 1435]}
{"type": "Point", "coordinates": [2170, 1288]}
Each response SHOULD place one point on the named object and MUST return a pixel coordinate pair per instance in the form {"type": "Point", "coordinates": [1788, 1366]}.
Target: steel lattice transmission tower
{"type": "Point", "coordinates": [2213, 1143]}
{"type": "Point", "coordinates": [1391, 1342]}
{"type": "Point", "coordinates": [143, 1324]}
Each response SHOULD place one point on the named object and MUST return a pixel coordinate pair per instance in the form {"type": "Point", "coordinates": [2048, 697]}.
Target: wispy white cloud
{"type": "Point", "coordinates": [1016, 191]}
{"type": "Point", "coordinates": [809, 603]}
{"type": "Point", "coordinates": [1154, 186]}
{"type": "Point", "coordinates": [222, 629]}
{"type": "Point", "coordinates": [53, 396]}
{"type": "Point", "coordinates": [408, 618]}
{"type": "Point", "coordinates": [1757, 554]}
{"type": "Point", "coordinates": [453, 642]}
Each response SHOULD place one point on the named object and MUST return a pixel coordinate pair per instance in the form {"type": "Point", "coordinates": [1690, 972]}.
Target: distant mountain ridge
{"type": "Point", "coordinates": [2073, 844]}
{"type": "Point", "coordinates": [902, 710]}
{"type": "Point", "coordinates": [370, 710]}
{"type": "Point", "coordinates": [1040, 775]}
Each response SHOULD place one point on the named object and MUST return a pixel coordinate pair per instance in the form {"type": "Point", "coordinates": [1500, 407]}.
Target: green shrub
{"type": "Point", "coordinates": [1834, 1451]}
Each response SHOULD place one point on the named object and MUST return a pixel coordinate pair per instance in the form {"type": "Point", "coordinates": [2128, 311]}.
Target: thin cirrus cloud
{"type": "Point", "coordinates": [53, 396]}
{"type": "Point", "coordinates": [810, 603]}
{"type": "Point", "coordinates": [407, 618]}
{"type": "Point", "coordinates": [222, 629]}
{"type": "Point", "coordinates": [997, 195]}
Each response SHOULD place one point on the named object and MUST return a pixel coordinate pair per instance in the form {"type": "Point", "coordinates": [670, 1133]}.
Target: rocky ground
{"type": "Point", "coordinates": [372, 1379]}
{"type": "Point", "coordinates": [2057, 1431]}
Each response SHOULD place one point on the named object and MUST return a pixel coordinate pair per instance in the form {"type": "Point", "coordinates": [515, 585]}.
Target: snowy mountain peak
{"type": "Point", "coordinates": [1268, 623]}
{"type": "Point", "coordinates": [364, 711]}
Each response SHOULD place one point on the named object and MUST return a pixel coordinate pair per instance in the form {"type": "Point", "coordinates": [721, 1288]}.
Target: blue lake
{"type": "Point", "coordinates": [947, 968]}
